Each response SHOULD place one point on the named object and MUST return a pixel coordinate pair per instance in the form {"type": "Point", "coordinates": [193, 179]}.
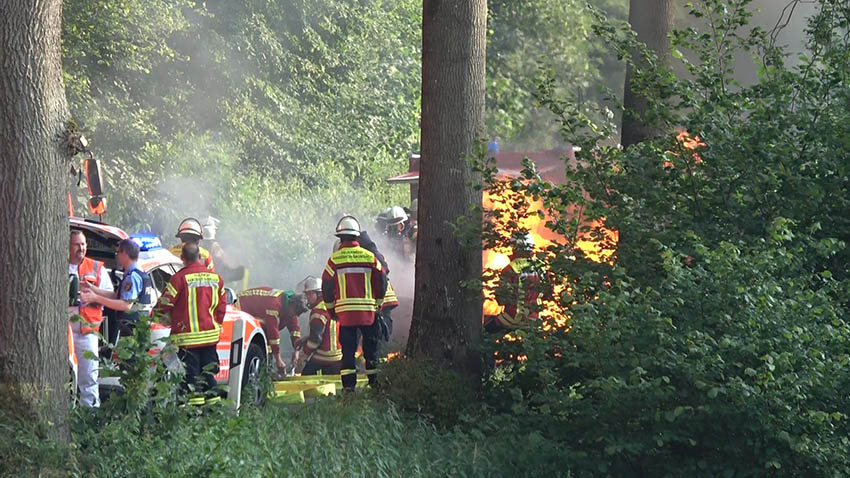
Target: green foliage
{"type": "Point", "coordinates": [528, 37]}
{"type": "Point", "coordinates": [349, 436]}
{"type": "Point", "coordinates": [422, 387]}
{"type": "Point", "coordinates": [716, 341]}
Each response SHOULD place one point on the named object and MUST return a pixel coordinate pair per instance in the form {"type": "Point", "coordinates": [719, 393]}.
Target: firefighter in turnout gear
{"type": "Point", "coordinates": [353, 285]}
{"type": "Point", "coordinates": [519, 289]}
{"type": "Point", "coordinates": [276, 309]}
{"type": "Point", "coordinates": [322, 344]}
{"type": "Point", "coordinates": [189, 232]}
{"type": "Point", "coordinates": [194, 304]}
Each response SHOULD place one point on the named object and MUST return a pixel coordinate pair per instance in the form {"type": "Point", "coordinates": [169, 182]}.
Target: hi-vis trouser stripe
{"type": "Point", "coordinates": [348, 371]}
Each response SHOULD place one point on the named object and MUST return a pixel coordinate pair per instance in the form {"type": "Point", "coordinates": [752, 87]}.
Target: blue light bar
{"type": "Point", "coordinates": [146, 242]}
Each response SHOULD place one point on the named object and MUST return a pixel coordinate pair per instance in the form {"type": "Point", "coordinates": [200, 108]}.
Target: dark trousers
{"type": "Point", "coordinates": [348, 340]}
{"type": "Point", "coordinates": [201, 365]}
{"type": "Point", "coordinates": [313, 366]}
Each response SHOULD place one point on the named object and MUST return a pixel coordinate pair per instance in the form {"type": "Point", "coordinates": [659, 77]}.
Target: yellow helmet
{"type": "Point", "coordinates": [312, 284]}
{"type": "Point", "coordinates": [190, 225]}
{"type": "Point", "coordinates": [348, 226]}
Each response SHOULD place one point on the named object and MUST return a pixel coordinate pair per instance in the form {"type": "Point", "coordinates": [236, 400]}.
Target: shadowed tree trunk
{"type": "Point", "coordinates": [446, 316]}
{"type": "Point", "coordinates": [33, 216]}
{"type": "Point", "coordinates": [652, 21]}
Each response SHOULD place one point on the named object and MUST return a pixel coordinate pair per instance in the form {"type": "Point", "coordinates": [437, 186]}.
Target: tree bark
{"type": "Point", "coordinates": [34, 218]}
{"type": "Point", "coordinates": [652, 21]}
{"type": "Point", "coordinates": [447, 316]}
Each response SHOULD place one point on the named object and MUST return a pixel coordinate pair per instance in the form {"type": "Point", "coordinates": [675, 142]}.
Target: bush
{"type": "Point", "coordinates": [422, 387]}
{"type": "Point", "coordinates": [715, 341]}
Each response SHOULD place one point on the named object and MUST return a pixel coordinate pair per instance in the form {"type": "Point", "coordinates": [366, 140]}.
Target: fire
{"type": "Point", "coordinates": [497, 259]}
{"type": "Point", "coordinates": [687, 142]}
{"type": "Point", "coordinates": [393, 355]}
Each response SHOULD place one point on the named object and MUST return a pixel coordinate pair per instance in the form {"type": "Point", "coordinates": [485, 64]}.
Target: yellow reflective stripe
{"type": "Point", "coordinates": [273, 313]}
{"type": "Point", "coordinates": [195, 338]}
{"type": "Point", "coordinates": [348, 371]}
{"type": "Point", "coordinates": [371, 371]}
{"type": "Point", "coordinates": [355, 308]}
{"type": "Point", "coordinates": [313, 345]}
{"type": "Point", "coordinates": [213, 400]}
{"type": "Point", "coordinates": [295, 334]}
{"type": "Point", "coordinates": [196, 401]}
{"type": "Point", "coordinates": [340, 280]}
{"type": "Point", "coordinates": [355, 300]}
{"type": "Point", "coordinates": [320, 317]}
{"type": "Point", "coordinates": [274, 341]}
{"type": "Point", "coordinates": [328, 357]}
{"type": "Point", "coordinates": [276, 293]}
{"type": "Point", "coordinates": [368, 278]}
{"type": "Point", "coordinates": [194, 324]}
{"type": "Point", "coordinates": [214, 303]}
{"type": "Point", "coordinates": [333, 330]}
{"type": "Point", "coordinates": [329, 270]}
{"type": "Point", "coordinates": [170, 289]}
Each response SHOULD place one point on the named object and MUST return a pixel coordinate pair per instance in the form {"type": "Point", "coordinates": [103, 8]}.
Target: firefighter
{"type": "Point", "coordinates": [519, 289]}
{"type": "Point", "coordinates": [276, 309]}
{"type": "Point", "coordinates": [224, 266]}
{"type": "Point", "coordinates": [134, 294]}
{"type": "Point", "coordinates": [189, 232]}
{"type": "Point", "coordinates": [194, 304]}
{"type": "Point", "coordinates": [322, 344]}
{"type": "Point", "coordinates": [89, 272]}
{"type": "Point", "coordinates": [399, 229]}
{"type": "Point", "coordinates": [353, 285]}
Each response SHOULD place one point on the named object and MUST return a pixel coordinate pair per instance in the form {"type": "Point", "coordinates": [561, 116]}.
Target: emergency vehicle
{"type": "Point", "coordinates": [242, 345]}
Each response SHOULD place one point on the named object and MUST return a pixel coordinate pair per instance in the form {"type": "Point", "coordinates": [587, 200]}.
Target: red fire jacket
{"type": "Point", "coordinates": [523, 299]}
{"type": "Point", "coordinates": [353, 285]}
{"type": "Point", "coordinates": [323, 341]}
{"type": "Point", "coordinates": [194, 297]}
{"type": "Point", "coordinates": [271, 308]}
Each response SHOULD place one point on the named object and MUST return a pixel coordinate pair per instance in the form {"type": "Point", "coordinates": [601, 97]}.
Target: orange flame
{"type": "Point", "coordinates": [497, 259]}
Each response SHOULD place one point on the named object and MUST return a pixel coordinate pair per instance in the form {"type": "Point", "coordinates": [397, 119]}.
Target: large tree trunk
{"type": "Point", "coordinates": [447, 316]}
{"type": "Point", "coordinates": [33, 216]}
{"type": "Point", "coordinates": [651, 20]}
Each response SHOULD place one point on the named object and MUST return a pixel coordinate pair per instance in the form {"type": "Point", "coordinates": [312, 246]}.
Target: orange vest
{"type": "Point", "coordinates": [89, 271]}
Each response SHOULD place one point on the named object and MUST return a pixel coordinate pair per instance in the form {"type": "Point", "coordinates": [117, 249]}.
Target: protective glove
{"type": "Point", "coordinates": [384, 330]}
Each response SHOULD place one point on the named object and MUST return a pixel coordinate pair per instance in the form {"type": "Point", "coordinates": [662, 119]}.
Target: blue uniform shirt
{"type": "Point", "coordinates": [131, 285]}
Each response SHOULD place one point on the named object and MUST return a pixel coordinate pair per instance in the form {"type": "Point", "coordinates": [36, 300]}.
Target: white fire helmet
{"type": "Point", "coordinates": [348, 226]}
{"type": "Point", "coordinates": [210, 227]}
{"type": "Point", "coordinates": [312, 284]}
{"type": "Point", "coordinates": [190, 225]}
{"type": "Point", "coordinates": [396, 215]}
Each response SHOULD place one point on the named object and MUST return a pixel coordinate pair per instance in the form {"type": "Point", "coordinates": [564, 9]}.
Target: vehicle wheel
{"type": "Point", "coordinates": [253, 391]}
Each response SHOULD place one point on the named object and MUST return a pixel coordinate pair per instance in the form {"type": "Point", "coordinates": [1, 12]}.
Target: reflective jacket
{"type": "Point", "coordinates": [519, 293]}
{"type": "Point", "coordinates": [271, 308]}
{"type": "Point", "coordinates": [323, 341]}
{"type": "Point", "coordinates": [390, 301]}
{"type": "Point", "coordinates": [353, 285]}
{"type": "Point", "coordinates": [206, 257]}
{"type": "Point", "coordinates": [89, 271]}
{"type": "Point", "coordinates": [194, 298]}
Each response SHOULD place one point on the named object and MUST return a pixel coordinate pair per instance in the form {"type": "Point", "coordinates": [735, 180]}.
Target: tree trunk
{"type": "Point", "coordinates": [447, 316]}
{"type": "Point", "coordinates": [34, 219]}
{"type": "Point", "coordinates": [652, 21]}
